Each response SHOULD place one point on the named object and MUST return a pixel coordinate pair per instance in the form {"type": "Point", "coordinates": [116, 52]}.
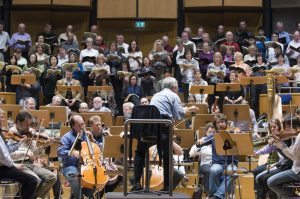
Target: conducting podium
{"type": "Point", "coordinates": [23, 79]}
{"type": "Point", "coordinates": [198, 89]}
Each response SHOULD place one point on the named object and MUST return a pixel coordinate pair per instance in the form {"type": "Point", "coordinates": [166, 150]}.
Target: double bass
{"type": "Point", "coordinates": [92, 171]}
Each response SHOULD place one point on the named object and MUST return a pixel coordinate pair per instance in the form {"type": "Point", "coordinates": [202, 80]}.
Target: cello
{"type": "Point", "coordinates": [92, 171]}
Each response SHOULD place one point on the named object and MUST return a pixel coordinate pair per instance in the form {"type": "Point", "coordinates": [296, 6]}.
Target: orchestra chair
{"type": "Point", "coordinates": [119, 121]}
{"type": "Point", "coordinates": [9, 188]}
{"type": "Point", "coordinates": [116, 130]}
{"type": "Point", "coordinates": [293, 186]}
{"type": "Point", "coordinates": [10, 97]}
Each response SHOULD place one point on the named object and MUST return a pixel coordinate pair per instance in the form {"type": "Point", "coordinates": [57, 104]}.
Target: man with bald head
{"type": "Point", "coordinates": [21, 40]}
{"type": "Point", "coordinates": [230, 42]}
{"type": "Point", "coordinates": [97, 105]}
{"type": "Point", "coordinates": [290, 50]}
{"type": "Point", "coordinates": [70, 162]}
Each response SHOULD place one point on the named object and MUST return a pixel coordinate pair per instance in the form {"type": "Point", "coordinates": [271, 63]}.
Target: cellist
{"type": "Point", "coordinates": [70, 168]}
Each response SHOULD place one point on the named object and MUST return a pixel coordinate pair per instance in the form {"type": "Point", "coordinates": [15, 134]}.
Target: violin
{"type": "Point", "coordinates": [11, 135]}
{"type": "Point", "coordinates": [35, 135]}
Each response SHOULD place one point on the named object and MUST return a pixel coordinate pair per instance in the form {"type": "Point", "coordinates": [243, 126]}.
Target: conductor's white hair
{"type": "Point", "coordinates": [169, 82]}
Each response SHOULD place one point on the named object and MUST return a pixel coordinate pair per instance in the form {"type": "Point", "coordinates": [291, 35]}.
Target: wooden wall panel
{"type": "Point", "coordinates": [72, 2]}
{"type": "Point", "coordinates": [210, 21]}
{"type": "Point", "coordinates": [243, 3]}
{"type": "Point", "coordinates": [145, 38]}
{"type": "Point", "coordinates": [166, 9]}
{"type": "Point", "coordinates": [116, 9]}
{"type": "Point", "coordinates": [35, 21]}
{"type": "Point", "coordinates": [31, 2]}
{"type": "Point", "coordinates": [202, 3]}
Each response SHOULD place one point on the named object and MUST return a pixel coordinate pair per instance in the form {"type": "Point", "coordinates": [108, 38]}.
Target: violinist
{"type": "Point", "coordinates": [284, 163]}
{"type": "Point", "coordinates": [70, 168]}
{"type": "Point", "coordinates": [217, 188]}
{"type": "Point", "coordinates": [26, 153]}
{"type": "Point", "coordinates": [11, 170]}
{"type": "Point", "coordinates": [276, 182]}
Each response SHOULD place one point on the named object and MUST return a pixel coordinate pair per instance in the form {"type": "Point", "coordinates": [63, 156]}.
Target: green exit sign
{"type": "Point", "coordinates": [140, 24]}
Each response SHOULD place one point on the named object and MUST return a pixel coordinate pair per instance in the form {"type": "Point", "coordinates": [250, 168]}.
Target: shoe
{"type": "Point", "coordinates": [136, 187]}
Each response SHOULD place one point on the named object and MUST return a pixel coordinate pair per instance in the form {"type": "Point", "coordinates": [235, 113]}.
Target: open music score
{"type": "Point", "coordinates": [23, 79]}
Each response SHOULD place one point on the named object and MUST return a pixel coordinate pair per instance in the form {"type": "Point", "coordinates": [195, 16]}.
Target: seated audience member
{"type": "Point", "coordinates": [230, 42]}
{"type": "Point", "coordinates": [29, 103]}
{"type": "Point", "coordinates": [188, 66]}
{"type": "Point", "coordinates": [64, 36]}
{"type": "Point", "coordinates": [21, 35]}
{"type": "Point", "coordinates": [97, 105]}
{"type": "Point", "coordinates": [83, 107]}
{"type": "Point", "coordinates": [234, 97]}
{"type": "Point", "coordinates": [132, 88]}
{"type": "Point", "coordinates": [70, 98]}
{"type": "Point", "coordinates": [70, 43]}
{"type": "Point", "coordinates": [198, 81]}
{"type": "Point", "coordinates": [49, 77]}
{"type": "Point", "coordinates": [56, 101]}
{"type": "Point", "coordinates": [62, 56]}
{"type": "Point", "coordinates": [121, 45]}
{"type": "Point", "coordinates": [144, 101]}
{"type": "Point", "coordinates": [28, 90]}
{"type": "Point", "coordinates": [127, 110]}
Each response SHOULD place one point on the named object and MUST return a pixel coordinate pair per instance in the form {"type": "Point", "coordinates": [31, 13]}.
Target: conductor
{"type": "Point", "coordinates": [170, 107]}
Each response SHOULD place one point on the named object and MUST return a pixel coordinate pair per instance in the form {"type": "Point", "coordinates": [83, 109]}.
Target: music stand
{"type": "Point", "coordinates": [228, 87]}
{"type": "Point", "coordinates": [87, 115]}
{"type": "Point", "coordinates": [64, 88]}
{"type": "Point", "coordinates": [233, 144]}
{"type": "Point", "coordinates": [12, 110]}
{"type": "Point", "coordinates": [203, 108]}
{"type": "Point", "coordinates": [23, 79]}
{"type": "Point", "coordinates": [116, 130]}
{"type": "Point", "coordinates": [56, 114]}
{"type": "Point", "coordinates": [99, 88]}
{"type": "Point", "coordinates": [253, 80]}
{"type": "Point", "coordinates": [201, 120]}
{"type": "Point", "coordinates": [106, 117]}
{"type": "Point", "coordinates": [118, 150]}
{"type": "Point", "coordinates": [281, 79]}
{"type": "Point", "coordinates": [9, 97]}
{"type": "Point", "coordinates": [39, 115]}
{"type": "Point", "coordinates": [237, 112]}
{"type": "Point", "coordinates": [209, 89]}
{"type": "Point", "coordinates": [186, 139]}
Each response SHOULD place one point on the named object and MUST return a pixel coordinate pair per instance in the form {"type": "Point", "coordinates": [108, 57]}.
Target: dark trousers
{"type": "Point", "coordinates": [139, 160]}
{"type": "Point", "coordinates": [74, 107]}
{"type": "Point", "coordinates": [57, 189]}
{"type": "Point", "coordinates": [28, 182]}
{"type": "Point", "coordinates": [204, 170]}
{"type": "Point", "coordinates": [185, 89]}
